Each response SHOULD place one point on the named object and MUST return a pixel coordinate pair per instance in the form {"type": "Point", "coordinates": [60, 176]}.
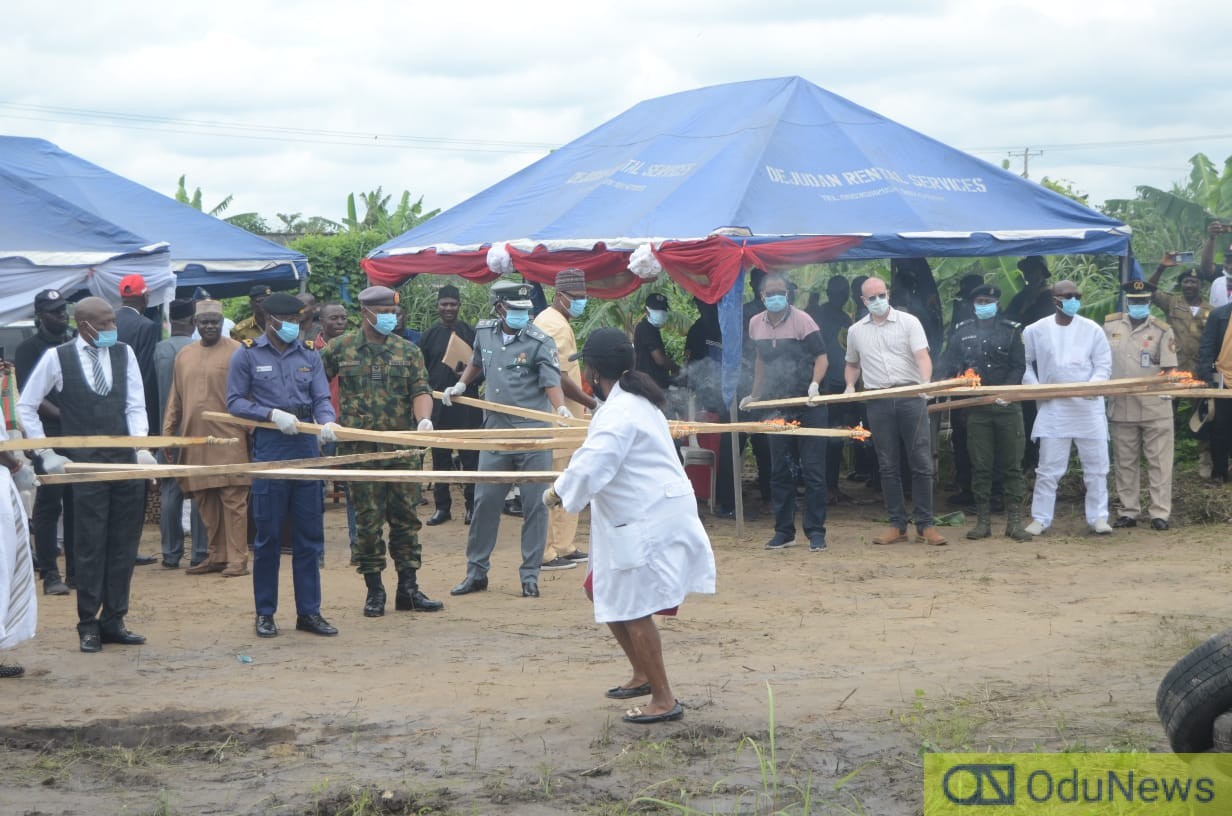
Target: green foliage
{"type": "Point", "coordinates": [378, 218]}
{"type": "Point", "coordinates": [335, 258]}
{"type": "Point", "coordinates": [250, 221]}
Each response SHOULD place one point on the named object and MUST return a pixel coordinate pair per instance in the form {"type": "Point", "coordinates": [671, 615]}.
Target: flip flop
{"type": "Point", "coordinates": [635, 715]}
{"type": "Point", "coordinates": [627, 692]}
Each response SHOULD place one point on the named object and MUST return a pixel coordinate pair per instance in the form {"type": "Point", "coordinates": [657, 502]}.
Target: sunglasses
{"type": "Point", "coordinates": [875, 298]}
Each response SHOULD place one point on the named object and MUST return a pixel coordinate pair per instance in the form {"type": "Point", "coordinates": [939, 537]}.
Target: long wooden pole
{"type": "Point", "coordinates": [931, 388]}
{"type": "Point", "coordinates": [1146, 386]}
{"type": "Point", "coordinates": [114, 442]}
{"type": "Point", "coordinates": [513, 410]}
{"type": "Point", "coordinates": [110, 472]}
{"type": "Point", "coordinates": [340, 475]}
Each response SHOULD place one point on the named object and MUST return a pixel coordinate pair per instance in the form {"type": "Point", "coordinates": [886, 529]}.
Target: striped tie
{"type": "Point", "coordinates": [100, 379]}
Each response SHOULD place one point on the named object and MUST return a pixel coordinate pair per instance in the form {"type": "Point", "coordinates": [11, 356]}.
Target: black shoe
{"type": "Point", "coordinates": [374, 604]}
{"type": "Point", "coordinates": [52, 585]}
{"type": "Point", "coordinates": [558, 564]}
{"type": "Point", "coordinates": [1125, 521]}
{"type": "Point", "coordinates": [175, 565]}
{"type": "Point", "coordinates": [470, 514]}
{"type": "Point", "coordinates": [513, 507]}
{"type": "Point", "coordinates": [530, 589]}
{"type": "Point", "coordinates": [11, 670]}
{"type": "Point", "coordinates": [122, 636]}
{"type": "Point", "coordinates": [1159, 524]}
{"type": "Point", "coordinates": [439, 517]}
{"type": "Point", "coordinates": [145, 560]}
{"type": "Point", "coordinates": [91, 643]}
{"type": "Point", "coordinates": [416, 601]}
{"type": "Point", "coordinates": [577, 556]}
{"type": "Point", "coordinates": [315, 624]}
{"type": "Point", "coordinates": [470, 585]}
{"type": "Point", "coordinates": [266, 627]}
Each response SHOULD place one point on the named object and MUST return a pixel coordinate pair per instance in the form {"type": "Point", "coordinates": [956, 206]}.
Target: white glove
{"type": "Point", "coordinates": [814, 390]}
{"type": "Point", "coordinates": [425, 424]}
{"type": "Point", "coordinates": [24, 478]}
{"type": "Point", "coordinates": [329, 432]}
{"type": "Point", "coordinates": [744, 403]}
{"type": "Point", "coordinates": [550, 499]}
{"type": "Point", "coordinates": [455, 390]}
{"type": "Point", "coordinates": [563, 412]}
{"type": "Point", "coordinates": [144, 457]}
{"type": "Point", "coordinates": [851, 389]}
{"type": "Point", "coordinates": [1000, 402]}
{"type": "Point", "coordinates": [285, 421]}
{"type": "Point", "coordinates": [54, 462]}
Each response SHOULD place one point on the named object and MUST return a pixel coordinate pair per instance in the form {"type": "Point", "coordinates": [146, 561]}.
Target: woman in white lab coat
{"type": "Point", "coordinates": [648, 547]}
{"type": "Point", "coordinates": [18, 600]}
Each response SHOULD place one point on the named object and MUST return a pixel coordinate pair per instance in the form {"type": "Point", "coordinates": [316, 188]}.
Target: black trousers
{"type": "Point", "coordinates": [1221, 438]}
{"type": "Point", "coordinates": [442, 459]}
{"type": "Point", "coordinates": [107, 519]}
{"type": "Point", "coordinates": [48, 501]}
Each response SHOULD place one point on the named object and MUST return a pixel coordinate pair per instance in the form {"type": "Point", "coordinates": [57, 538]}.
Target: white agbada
{"type": "Point", "coordinates": [18, 599]}
{"type": "Point", "coordinates": [648, 549]}
{"type": "Point", "coordinates": [1078, 352]}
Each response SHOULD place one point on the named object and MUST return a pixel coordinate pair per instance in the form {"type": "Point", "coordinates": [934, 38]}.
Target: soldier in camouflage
{"type": "Point", "coordinates": [383, 386]}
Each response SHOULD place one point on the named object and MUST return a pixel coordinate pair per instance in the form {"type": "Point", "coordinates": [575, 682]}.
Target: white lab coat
{"type": "Point", "coordinates": [1078, 352]}
{"type": "Point", "coordinates": [648, 549]}
{"type": "Point", "coordinates": [18, 598]}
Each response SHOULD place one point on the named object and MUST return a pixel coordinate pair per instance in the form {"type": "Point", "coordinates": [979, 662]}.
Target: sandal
{"type": "Point", "coordinates": [635, 715]}
{"type": "Point", "coordinates": [628, 692]}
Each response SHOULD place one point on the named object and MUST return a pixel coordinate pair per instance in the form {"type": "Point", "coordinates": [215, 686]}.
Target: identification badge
{"type": "Point", "coordinates": [1146, 359]}
{"type": "Point", "coordinates": [377, 373]}
{"type": "Point", "coordinates": [261, 369]}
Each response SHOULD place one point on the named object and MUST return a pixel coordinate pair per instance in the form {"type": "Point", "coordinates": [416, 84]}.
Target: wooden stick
{"type": "Point", "coordinates": [513, 410]}
{"type": "Point", "coordinates": [111, 472]}
{"type": "Point", "coordinates": [931, 388]}
{"type": "Point", "coordinates": [682, 429]}
{"type": "Point", "coordinates": [339, 475]}
{"type": "Point", "coordinates": [114, 442]}
{"type": "Point", "coordinates": [1153, 386]}
{"type": "Point", "coordinates": [1158, 381]}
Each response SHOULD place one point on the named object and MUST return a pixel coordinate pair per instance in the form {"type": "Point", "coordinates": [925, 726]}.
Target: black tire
{"type": "Point", "coordinates": [1221, 733]}
{"type": "Point", "coordinates": [1194, 693]}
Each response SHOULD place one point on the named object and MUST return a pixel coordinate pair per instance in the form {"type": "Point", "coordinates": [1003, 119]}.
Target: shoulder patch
{"type": "Point", "coordinates": [248, 342]}
{"type": "Point", "coordinates": [960, 324]}
{"type": "Point", "coordinates": [1013, 324]}
{"type": "Point", "coordinates": [487, 324]}
{"type": "Point", "coordinates": [310, 344]}
{"type": "Point", "coordinates": [1161, 324]}
{"type": "Point", "coordinates": [1113, 317]}
{"type": "Point", "coordinates": [535, 332]}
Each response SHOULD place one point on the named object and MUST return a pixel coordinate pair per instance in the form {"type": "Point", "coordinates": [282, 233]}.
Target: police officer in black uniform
{"type": "Point", "coordinates": [993, 347]}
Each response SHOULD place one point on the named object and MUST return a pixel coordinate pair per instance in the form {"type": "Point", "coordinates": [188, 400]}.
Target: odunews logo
{"type": "Point", "coordinates": [1079, 784]}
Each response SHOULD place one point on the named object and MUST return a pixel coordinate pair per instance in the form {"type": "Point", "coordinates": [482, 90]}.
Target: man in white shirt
{"type": "Point", "coordinates": [101, 393]}
{"type": "Point", "coordinates": [1069, 348]}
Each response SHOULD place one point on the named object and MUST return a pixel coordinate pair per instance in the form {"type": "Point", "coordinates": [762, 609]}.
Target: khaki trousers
{"type": "Point", "coordinates": [562, 526]}
{"type": "Point", "coordinates": [225, 513]}
{"type": "Point", "coordinates": [1130, 442]}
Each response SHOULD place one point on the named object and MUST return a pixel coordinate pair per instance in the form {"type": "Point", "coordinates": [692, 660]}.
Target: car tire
{"type": "Point", "coordinates": [1221, 734]}
{"type": "Point", "coordinates": [1194, 693]}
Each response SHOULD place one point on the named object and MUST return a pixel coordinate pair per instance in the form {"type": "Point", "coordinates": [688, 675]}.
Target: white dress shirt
{"type": "Point", "coordinates": [1078, 352]}
{"type": "Point", "coordinates": [47, 377]}
{"type": "Point", "coordinates": [1219, 291]}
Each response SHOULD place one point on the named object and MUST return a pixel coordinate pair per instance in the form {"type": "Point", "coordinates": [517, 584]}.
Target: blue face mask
{"type": "Point", "coordinates": [985, 311]}
{"type": "Point", "coordinates": [576, 307]}
{"type": "Point", "coordinates": [385, 323]}
{"type": "Point", "coordinates": [776, 303]}
{"type": "Point", "coordinates": [1139, 311]}
{"type": "Point", "coordinates": [288, 332]}
{"type": "Point", "coordinates": [1071, 306]}
{"type": "Point", "coordinates": [517, 319]}
{"type": "Point", "coordinates": [656, 317]}
{"type": "Point", "coordinates": [106, 339]}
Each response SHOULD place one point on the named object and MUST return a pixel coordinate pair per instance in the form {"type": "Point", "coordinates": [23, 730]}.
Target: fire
{"type": "Point", "coordinates": [972, 377]}
{"type": "Point", "coordinates": [779, 422]}
{"type": "Point", "coordinates": [1185, 379]}
{"type": "Point", "coordinates": [858, 432]}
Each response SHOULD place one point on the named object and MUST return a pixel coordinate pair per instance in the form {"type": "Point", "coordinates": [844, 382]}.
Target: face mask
{"type": "Point", "coordinates": [985, 311]}
{"type": "Point", "coordinates": [517, 319]}
{"type": "Point", "coordinates": [576, 307]}
{"type": "Point", "coordinates": [656, 317]}
{"type": "Point", "coordinates": [1070, 306]}
{"type": "Point", "coordinates": [106, 339]}
{"type": "Point", "coordinates": [385, 323]}
{"type": "Point", "coordinates": [776, 303]}
{"type": "Point", "coordinates": [288, 332]}
{"type": "Point", "coordinates": [879, 306]}
{"type": "Point", "coordinates": [1139, 311]}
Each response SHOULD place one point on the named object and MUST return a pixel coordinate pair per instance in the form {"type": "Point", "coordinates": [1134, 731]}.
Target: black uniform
{"type": "Point", "coordinates": [433, 343]}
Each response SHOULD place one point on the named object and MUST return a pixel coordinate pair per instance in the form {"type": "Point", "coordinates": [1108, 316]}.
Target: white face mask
{"type": "Point", "coordinates": [879, 306]}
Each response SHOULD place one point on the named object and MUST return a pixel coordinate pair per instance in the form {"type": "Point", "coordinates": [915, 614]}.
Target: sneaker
{"type": "Point", "coordinates": [577, 556]}
{"type": "Point", "coordinates": [1034, 528]}
{"type": "Point", "coordinates": [817, 544]}
{"type": "Point", "coordinates": [558, 564]}
{"type": "Point", "coordinates": [780, 543]}
{"type": "Point", "coordinates": [1101, 526]}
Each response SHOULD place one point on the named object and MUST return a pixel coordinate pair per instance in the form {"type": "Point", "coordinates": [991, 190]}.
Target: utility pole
{"type": "Point", "coordinates": [1026, 159]}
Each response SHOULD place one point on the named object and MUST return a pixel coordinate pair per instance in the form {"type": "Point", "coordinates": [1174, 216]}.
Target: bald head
{"type": "Point", "coordinates": [873, 286]}
{"type": "Point", "coordinates": [92, 316]}
{"type": "Point", "coordinates": [1064, 289]}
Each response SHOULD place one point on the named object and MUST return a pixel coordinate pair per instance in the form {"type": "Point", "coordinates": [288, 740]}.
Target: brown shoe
{"type": "Point", "coordinates": [205, 567]}
{"type": "Point", "coordinates": [892, 535]}
{"type": "Point", "coordinates": [930, 535]}
{"type": "Point", "coordinates": [235, 570]}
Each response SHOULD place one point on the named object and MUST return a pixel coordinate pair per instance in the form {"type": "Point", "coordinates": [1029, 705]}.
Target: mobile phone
{"type": "Point", "coordinates": [1183, 257]}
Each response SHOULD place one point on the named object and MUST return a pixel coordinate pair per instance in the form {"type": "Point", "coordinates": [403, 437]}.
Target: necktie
{"type": "Point", "coordinates": [100, 379]}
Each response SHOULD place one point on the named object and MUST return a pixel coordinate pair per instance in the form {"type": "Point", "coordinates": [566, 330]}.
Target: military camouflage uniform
{"type": "Point", "coordinates": [1186, 326]}
{"type": "Point", "coordinates": [246, 329]}
{"type": "Point", "coordinates": [376, 385]}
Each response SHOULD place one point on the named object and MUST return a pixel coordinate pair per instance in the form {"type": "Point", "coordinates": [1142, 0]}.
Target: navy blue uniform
{"type": "Point", "coordinates": [259, 380]}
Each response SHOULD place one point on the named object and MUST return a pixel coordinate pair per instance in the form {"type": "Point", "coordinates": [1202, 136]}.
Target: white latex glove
{"type": "Point", "coordinates": [285, 421]}
{"type": "Point", "coordinates": [144, 457]}
{"type": "Point", "coordinates": [563, 412]}
{"type": "Point", "coordinates": [814, 390]}
{"type": "Point", "coordinates": [24, 478]}
{"type": "Point", "coordinates": [329, 432]}
{"type": "Point", "coordinates": [851, 389]}
{"type": "Point", "coordinates": [54, 462]}
{"type": "Point", "coordinates": [425, 424]}
{"type": "Point", "coordinates": [455, 390]}
{"type": "Point", "coordinates": [550, 499]}
{"type": "Point", "coordinates": [1000, 402]}
{"type": "Point", "coordinates": [744, 403]}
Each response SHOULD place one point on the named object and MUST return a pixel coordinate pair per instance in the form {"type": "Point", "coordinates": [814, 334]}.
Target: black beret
{"type": "Point", "coordinates": [259, 291]}
{"type": "Point", "coordinates": [986, 290]}
{"type": "Point", "coordinates": [280, 304]}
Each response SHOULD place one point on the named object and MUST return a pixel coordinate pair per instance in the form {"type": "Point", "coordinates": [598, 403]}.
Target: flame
{"type": "Point", "coordinates": [858, 432]}
{"type": "Point", "coordinates": [779, 422]}
{"type": "Point", "coordinates": [972, 377]}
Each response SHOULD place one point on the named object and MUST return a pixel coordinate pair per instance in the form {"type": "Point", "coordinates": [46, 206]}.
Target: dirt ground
{"type": "Point", "coordinates": [873, 655]}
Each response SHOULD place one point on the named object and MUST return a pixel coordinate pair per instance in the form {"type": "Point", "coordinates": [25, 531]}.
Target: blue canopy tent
{"type": "Point", "coordinates": [204, 251]}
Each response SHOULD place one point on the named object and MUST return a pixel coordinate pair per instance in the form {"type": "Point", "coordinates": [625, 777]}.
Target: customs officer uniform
{"type": "Point", "coordinates": [1141, 426]}
{"type": "Point", "coordinates": [518, 370]}
{"type": "Point", "coordinates": [377, 384]}
{"type": "Point", "coordinates": [267, 383]}
{"type": "Point", "coordinates": [995, 433]}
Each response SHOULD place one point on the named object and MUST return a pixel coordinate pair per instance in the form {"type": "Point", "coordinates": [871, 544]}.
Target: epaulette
{"type": "Point", "coordinates": [310, 345]}
{"type": "Point", "coordinates": [248, 342]}
{"type": "Point", "coordinates": [1161, 324]}
{"type": "Point", "coordinates": [1013, 324]}
{"type": "Point", "coordinates": [960, 324]}
{"type": "Point", "coordinates": [487, 324]}
{"type": "Point", "coordinates": [535, 333]}
{"type": "Point", "coordinates": [1113, 317]}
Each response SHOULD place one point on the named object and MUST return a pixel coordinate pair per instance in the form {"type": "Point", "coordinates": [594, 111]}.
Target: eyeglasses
{"type": "Point", "coordinates": [1074, 296]}
{"type": "Point", "coordinates": [875, 298]}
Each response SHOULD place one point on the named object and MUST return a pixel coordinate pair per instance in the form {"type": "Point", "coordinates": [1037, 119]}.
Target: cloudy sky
{"type": "Point", "coordinates": [290, 106]}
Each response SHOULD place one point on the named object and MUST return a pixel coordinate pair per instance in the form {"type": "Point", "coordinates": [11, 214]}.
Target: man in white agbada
{"type": "Point", "coordinates": [18, 600]}
{"type": "Point", "coordinates": [648, 547]}
{"type": "Point", "coordinates": [1069, 348]}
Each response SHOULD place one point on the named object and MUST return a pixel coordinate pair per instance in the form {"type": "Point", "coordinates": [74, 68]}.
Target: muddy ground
{"type": "Point", "coordinates": [496, 705]}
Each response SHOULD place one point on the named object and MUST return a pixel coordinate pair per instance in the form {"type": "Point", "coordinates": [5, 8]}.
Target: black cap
{"type": "Point", "coordinates": [447, 292]}
{"type": "Point", "coordinates": [1138, 287]}
{"type": "Point", "coordinates": [607, 351]}
{"type": "Point", "coordinates": [986, 290]}
{"type": "Point", "coordinates": [1034, 262]}
{"type": "Point", "coordinates": [259, 291]}
{"type": "Point", "coordinates": [49, 300]}
{"type": "Point", "coordinates": [181, 309]}
{"type": "Point", "coordinates": [967, 284]}
{"type": "Point", "coordinates": [280, 304]}
{"type": "Point", "coordinates": [657, 301]}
